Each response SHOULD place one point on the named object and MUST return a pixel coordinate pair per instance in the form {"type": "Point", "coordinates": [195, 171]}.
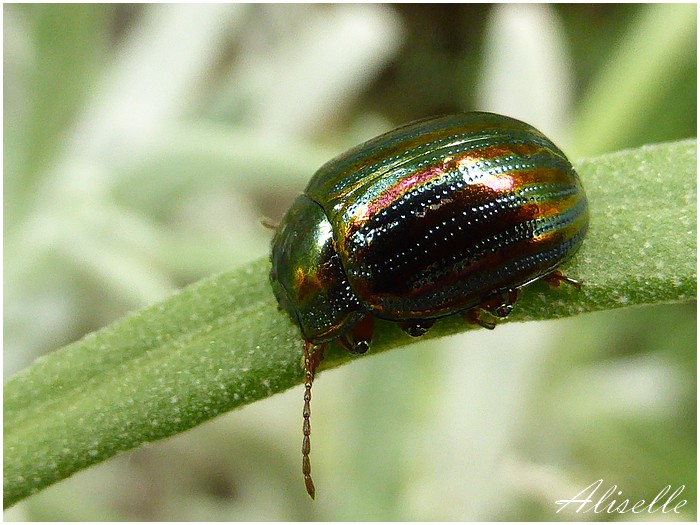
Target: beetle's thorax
{"type": "Point", "coordinates": [307, 277]}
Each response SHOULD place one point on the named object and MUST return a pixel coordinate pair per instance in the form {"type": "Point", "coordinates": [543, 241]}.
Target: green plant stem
{"type": "Point", "coordinates": [221, 343]}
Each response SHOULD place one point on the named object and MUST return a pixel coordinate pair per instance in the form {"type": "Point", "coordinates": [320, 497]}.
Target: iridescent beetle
{"type": "Point", "coordinates": [447, 215]}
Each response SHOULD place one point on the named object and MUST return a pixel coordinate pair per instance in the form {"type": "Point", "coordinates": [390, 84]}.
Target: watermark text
{"type": "Point", "coordinates": [612, 501]}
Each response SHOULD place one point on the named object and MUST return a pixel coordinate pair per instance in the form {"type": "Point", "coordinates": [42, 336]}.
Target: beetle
{"type": "Point", "coordinates": [446, 215]}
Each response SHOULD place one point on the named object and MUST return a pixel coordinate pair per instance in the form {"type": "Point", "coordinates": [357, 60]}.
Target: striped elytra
{"type": "Point", "coordinates": [447, 215]}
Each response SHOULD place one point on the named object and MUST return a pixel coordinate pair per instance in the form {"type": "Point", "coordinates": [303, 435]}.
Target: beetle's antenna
{"type": "Point", "coordinates": [311, 361]}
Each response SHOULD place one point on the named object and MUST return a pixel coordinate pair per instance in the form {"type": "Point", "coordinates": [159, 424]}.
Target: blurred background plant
{"type": "Point", "coordinates": [143, 143]}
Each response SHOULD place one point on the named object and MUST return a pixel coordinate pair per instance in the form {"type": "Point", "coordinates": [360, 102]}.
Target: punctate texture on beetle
{"type": "Point", "coordinates": [428, 219]}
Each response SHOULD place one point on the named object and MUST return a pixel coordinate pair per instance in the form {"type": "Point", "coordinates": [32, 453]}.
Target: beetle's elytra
{"type": "Point", "coordinates": [447, 215]}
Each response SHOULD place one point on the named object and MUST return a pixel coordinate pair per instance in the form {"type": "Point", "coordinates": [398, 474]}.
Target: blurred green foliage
{"type": "Point", "coordinates": [142, 144]}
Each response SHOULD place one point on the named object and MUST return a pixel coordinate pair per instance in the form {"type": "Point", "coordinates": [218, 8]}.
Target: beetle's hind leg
{"type": "Point", "coordinates": [497, 306]}
{"type": "Point", "coordinates": [555, 279]}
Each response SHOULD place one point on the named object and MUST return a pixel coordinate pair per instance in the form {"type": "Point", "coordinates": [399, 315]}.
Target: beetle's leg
{"type": "Point", "coordinates": [416, 327]}
{"type": "Point", "coordinates": [501, 305]}
{"type": "Point", "coordinates": [556, 278]}
{"type": "Point", "coordinates": [498, 305]}
{"type": "Point", "coordinates": [361, 335]}
{"type": "Point", "coordinates": [312, 358]}
{"type": "Point", "coordinates": [475, 316]}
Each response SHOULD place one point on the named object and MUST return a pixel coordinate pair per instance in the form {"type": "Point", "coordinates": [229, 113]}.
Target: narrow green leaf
{"type": "Point", "coordinates": [221, 343]}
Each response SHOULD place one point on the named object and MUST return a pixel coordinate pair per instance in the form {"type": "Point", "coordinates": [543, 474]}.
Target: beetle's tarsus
{"type": "Point", "coordinates": [475, 316]}
{"type": "Point", "coordinates": [417, 327]}
{"type": "Point", "coordinates": [557, 277]}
